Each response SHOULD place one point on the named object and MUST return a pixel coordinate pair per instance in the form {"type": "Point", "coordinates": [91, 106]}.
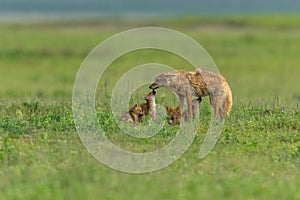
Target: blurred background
{"type": "Point", "coordinates": [20, 9]}
{"type": "Point", "coordinates": [255, 44]}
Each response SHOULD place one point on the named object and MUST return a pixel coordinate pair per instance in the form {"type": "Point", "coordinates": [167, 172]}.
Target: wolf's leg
{"type": "Point", "coordinates": [189, 104]}
{"type": "Point", "coordinates": [132, 119]}
{"type": "Point", "coordinates": [216, 105]}
{"type": "Point", "coordinates": [181, 101]}
{"type": "Point", "coordinates": [196, 107]}
{"type": "Point", "coordinates": [185, 115]}
{"type": "Point", "coordinates": [222, 102]}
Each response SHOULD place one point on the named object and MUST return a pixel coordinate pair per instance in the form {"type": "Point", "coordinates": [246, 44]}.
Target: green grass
{"type": "Point", "coordinates": [257, 156]}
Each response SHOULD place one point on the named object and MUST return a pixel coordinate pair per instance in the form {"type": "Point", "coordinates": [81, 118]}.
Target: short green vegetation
{"type": "Point", "coordinates": [257, 156]}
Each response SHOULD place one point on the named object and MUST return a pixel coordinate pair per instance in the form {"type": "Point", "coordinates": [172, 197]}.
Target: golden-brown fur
{"type": "Point", "coordinates": [134, 115]}
{"type": "Point", "coordinates": [149, 108]}
{"type": "Point", "coordinates": [198, 83]}
{"type": "Point", "coordinates": [175, 115]}
{"type": "Point", "coordinates": [195, 109]}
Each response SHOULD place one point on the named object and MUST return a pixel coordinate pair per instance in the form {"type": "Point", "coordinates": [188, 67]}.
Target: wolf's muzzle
{"type": "Point", "coordinates": [154, 86]}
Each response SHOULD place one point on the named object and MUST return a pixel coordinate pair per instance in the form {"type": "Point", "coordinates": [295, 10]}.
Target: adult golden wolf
{"type": "Point", "coordinates": [198, 83]}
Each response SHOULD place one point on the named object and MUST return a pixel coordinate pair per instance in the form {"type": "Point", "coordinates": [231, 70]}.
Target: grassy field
{"type": "Point", "coordinates": [257, 156]}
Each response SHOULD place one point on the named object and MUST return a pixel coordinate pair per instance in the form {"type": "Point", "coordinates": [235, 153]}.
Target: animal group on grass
{"type": "Point", "coordinates": [185, 84]}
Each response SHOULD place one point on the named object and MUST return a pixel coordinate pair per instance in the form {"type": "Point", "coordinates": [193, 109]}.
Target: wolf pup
{"type": "Point", "coordinates": [176, 115]}
{"type": "Point", "coordinates": [134, 115]}
{"type": "Point", "coordinates": [149, 108]}
{"type": "Point", "coordinates": [198, 83]}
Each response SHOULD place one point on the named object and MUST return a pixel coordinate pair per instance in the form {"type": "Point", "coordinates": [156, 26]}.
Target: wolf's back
{"type": "Point", "coordinates": [216, 84]}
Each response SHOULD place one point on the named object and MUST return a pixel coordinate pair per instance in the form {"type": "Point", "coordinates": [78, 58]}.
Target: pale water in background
{"type": "Point", "coordinates": [30, 9]}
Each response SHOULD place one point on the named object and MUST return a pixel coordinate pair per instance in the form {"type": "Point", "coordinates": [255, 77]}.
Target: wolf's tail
{"type": "Point", "coordinates": [227, 104]}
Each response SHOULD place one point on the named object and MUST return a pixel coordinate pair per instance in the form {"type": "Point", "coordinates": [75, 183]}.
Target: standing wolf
{"type": "Point", "coordinates": [198, 83]}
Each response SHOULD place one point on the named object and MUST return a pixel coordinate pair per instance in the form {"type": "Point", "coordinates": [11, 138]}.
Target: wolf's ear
{"type": "Point", "coordinates": [167, 108]}
{"type": "Point", "coordinates": [135, 105]}
{"type": "Point", "coordinates": [197, 73]}
{"type": "Point", "coordinates": [178, 108]}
